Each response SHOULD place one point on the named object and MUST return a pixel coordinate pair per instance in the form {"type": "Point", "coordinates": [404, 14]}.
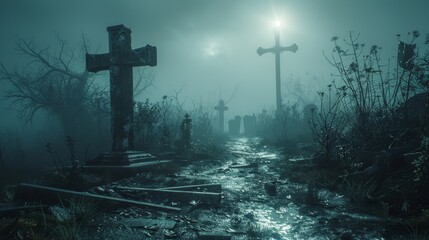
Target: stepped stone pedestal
{"type": "Point", "coordinates": [116, 165]}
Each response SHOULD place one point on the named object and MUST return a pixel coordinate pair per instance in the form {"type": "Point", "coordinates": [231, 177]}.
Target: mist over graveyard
{"type": "Point", "coordinates": [214, 119]}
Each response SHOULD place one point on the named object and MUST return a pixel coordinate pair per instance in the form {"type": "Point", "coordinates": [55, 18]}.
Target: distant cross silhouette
{"type": "Point", "coordinates": [277, 49]}
{"type": "Point", "coordinates": [120, 61]}
{"type": "Point", "coordinates": [221, 108]}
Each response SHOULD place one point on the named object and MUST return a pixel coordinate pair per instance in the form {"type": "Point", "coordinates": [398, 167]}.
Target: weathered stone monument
{"type": "Point", "coordinates": [185, 132]}
{"type": "Point", "coordinates": [249, 125]}
{"type": "Point", "coordinates": [277, 49]}
{"type": "Point", "coordinates": [234, 126]}
{"type": "Point", "coordinates": [417, 110]}
{"type": "Point", "coordinates": [221, 108]}
{"type": "Point", "coordinates": [310, 111]}
{"type": "Point", "coordinates": [120, 62]}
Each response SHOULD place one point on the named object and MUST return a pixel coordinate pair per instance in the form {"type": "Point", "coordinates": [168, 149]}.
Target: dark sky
{"type": "Point", "coordinates": [208, 47]}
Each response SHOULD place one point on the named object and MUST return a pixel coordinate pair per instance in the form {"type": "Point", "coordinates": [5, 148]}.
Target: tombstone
{"type": "Point", "coordinates": [234, 126]}
{"type": "Point", "coordinates": [417, 109]}
{"type": "Point", "coordinates": [221, 108]}
{"type": "Point", "coordinates": [120, 62]}
{"type": "Point", "coordinates": [185, 130]}
{"type": "Point", "coordinates": [310, 111]}
{"type": "Point", "coordinates": [249, 124]}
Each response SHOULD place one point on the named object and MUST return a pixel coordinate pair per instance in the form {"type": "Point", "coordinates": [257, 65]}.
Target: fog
{"type": "Point", "coordinates": [207, 49]}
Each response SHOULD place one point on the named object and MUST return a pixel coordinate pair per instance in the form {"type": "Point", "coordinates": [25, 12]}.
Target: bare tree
{"type": "Point", "coordinates": [48, 82]}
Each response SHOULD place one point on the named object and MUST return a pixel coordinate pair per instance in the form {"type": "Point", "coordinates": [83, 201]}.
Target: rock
{"type": "Point", "coordinates": [249, 216]}
{"type": "Point", "coordinates": [346, 236]}
{"type": "Point", "coordinates": [170, 182]}
{"type": "Point", "coordinates": [60, 214]}
{"type": "Point", "coordinates": [270, 188]}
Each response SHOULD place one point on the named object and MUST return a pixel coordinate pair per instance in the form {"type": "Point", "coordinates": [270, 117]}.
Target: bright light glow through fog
{"type": "Point", "coordinates": [212, 48]}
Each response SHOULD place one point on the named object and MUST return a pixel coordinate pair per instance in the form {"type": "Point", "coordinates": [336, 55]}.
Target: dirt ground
{"type": "Point", "coordinates": [257, 203]}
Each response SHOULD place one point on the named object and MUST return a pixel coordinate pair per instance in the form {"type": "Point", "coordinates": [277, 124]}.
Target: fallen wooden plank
{"type": "Point", "coordinates": [251, 165]}
{"type": "Point", "coordinates": [145, 222]}
{"type": "Point", "coordinates": [301, 160]}
{"type": "Point", "coordinates": [177, 195]}
{"type": "Point", "coordinates": [32, 192]}
{"type": "Point", "coordinates": [216, 188]}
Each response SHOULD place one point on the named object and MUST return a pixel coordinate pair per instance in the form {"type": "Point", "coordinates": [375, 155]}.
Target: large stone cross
{"type": "Point", "coordinates": [120, 61]}
{"type": "Point", "coordinates": [221, 108]}
{"type": "Point", "coordinates": [277, 49]}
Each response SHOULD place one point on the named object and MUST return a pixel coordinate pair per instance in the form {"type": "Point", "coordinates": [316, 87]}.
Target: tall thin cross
{"type": "Point", "coordinates": [277, 49]}
{"type": "Point", "coordinates": [221, 108]}
{"type": "Point", "coordinates": [120, 61]}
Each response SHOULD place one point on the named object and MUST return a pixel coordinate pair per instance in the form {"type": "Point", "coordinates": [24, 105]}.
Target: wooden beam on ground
{"type": "Point", "coordinates": [216, 188]}
{"type": "Point", "coordinates": [32, 192]}
{"type": "Point", "coordinates": [250, 165]}
{"type": "Point", "coordinates": [177, 195]}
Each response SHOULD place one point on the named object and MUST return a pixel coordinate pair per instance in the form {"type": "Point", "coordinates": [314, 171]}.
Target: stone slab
{"type": "Point", "coordinates": [115, 172]}
{"type": "Point", "coordinates": [120, 158]}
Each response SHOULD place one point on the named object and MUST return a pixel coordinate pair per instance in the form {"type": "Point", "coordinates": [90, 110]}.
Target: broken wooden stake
{"type": "Point", "coordinates": [216, 188]}
{"type": "Point", "coordinates": [32, 192]}
{"type": "Point", "coordinates": [208, 197]}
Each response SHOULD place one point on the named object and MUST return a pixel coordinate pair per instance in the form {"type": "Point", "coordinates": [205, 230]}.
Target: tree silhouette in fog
{"type": "Point", "coordinates": [52, 80]}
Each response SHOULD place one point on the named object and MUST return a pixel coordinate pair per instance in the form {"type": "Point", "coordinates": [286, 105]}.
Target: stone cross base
{"type": "Point", "coordinates": [120, 158]}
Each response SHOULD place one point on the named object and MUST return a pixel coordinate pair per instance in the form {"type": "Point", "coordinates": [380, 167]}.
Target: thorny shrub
{"type": "Point", "coordinates": [364, 105]}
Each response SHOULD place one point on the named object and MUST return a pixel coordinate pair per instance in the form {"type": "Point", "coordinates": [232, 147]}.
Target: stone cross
{"type": "Point", "coordinates": [120, 61]}
{"type": "Point", "coordinates": [186, 128]}
{"type": "Point", "coordinates": [277, 49]}
{"type": "Point", "coordinates": [221, 108]}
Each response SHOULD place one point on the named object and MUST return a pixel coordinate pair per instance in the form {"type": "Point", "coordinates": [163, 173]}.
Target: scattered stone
{"type": "Point", "coordinates": [60, 214]}
{"type": "Point", "coordinates": [250, 216]}
{"type": "Point", "coordinates": [149, 224]}
{"type": "Point", "coordinates": [216, 188]}
{"type": "Point", "coordinates": [170, 182]}
{"type": "Point", "coordinates": [270, 188]}
{"type": "Point", "coordinates": [346, 236]}
{"type": "Point", "coordinates": [251, 165]}
{"type": "Point", "coordinates": [100, 189]}
{"type": "Point", "coordinates": [170, 234]}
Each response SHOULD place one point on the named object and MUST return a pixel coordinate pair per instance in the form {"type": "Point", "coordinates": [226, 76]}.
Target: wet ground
{"type": "Point", "coordinates": [250, 208]}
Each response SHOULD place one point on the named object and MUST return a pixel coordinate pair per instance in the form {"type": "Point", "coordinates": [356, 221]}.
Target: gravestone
{"type": "Point", "coordinates": [417, 109]}
{"type": "Point", "coordinates": [277, 49]}
{"type": "Point", "coordinates": [234, 126]}
{"type": "Point", "coordinates": [120, 62]}
{"type": "Point", "coordinates": [185, 129]}
{"type": "Point", "coordinates": [310, 111]}
{"type": "Point", "coordinates": [249, 124]}
{"type": "Point", "coordinates": [221, 108]}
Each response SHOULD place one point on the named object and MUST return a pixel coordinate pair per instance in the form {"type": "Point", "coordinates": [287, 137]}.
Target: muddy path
{"type": "Point", "coordinates": [257, 203]}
